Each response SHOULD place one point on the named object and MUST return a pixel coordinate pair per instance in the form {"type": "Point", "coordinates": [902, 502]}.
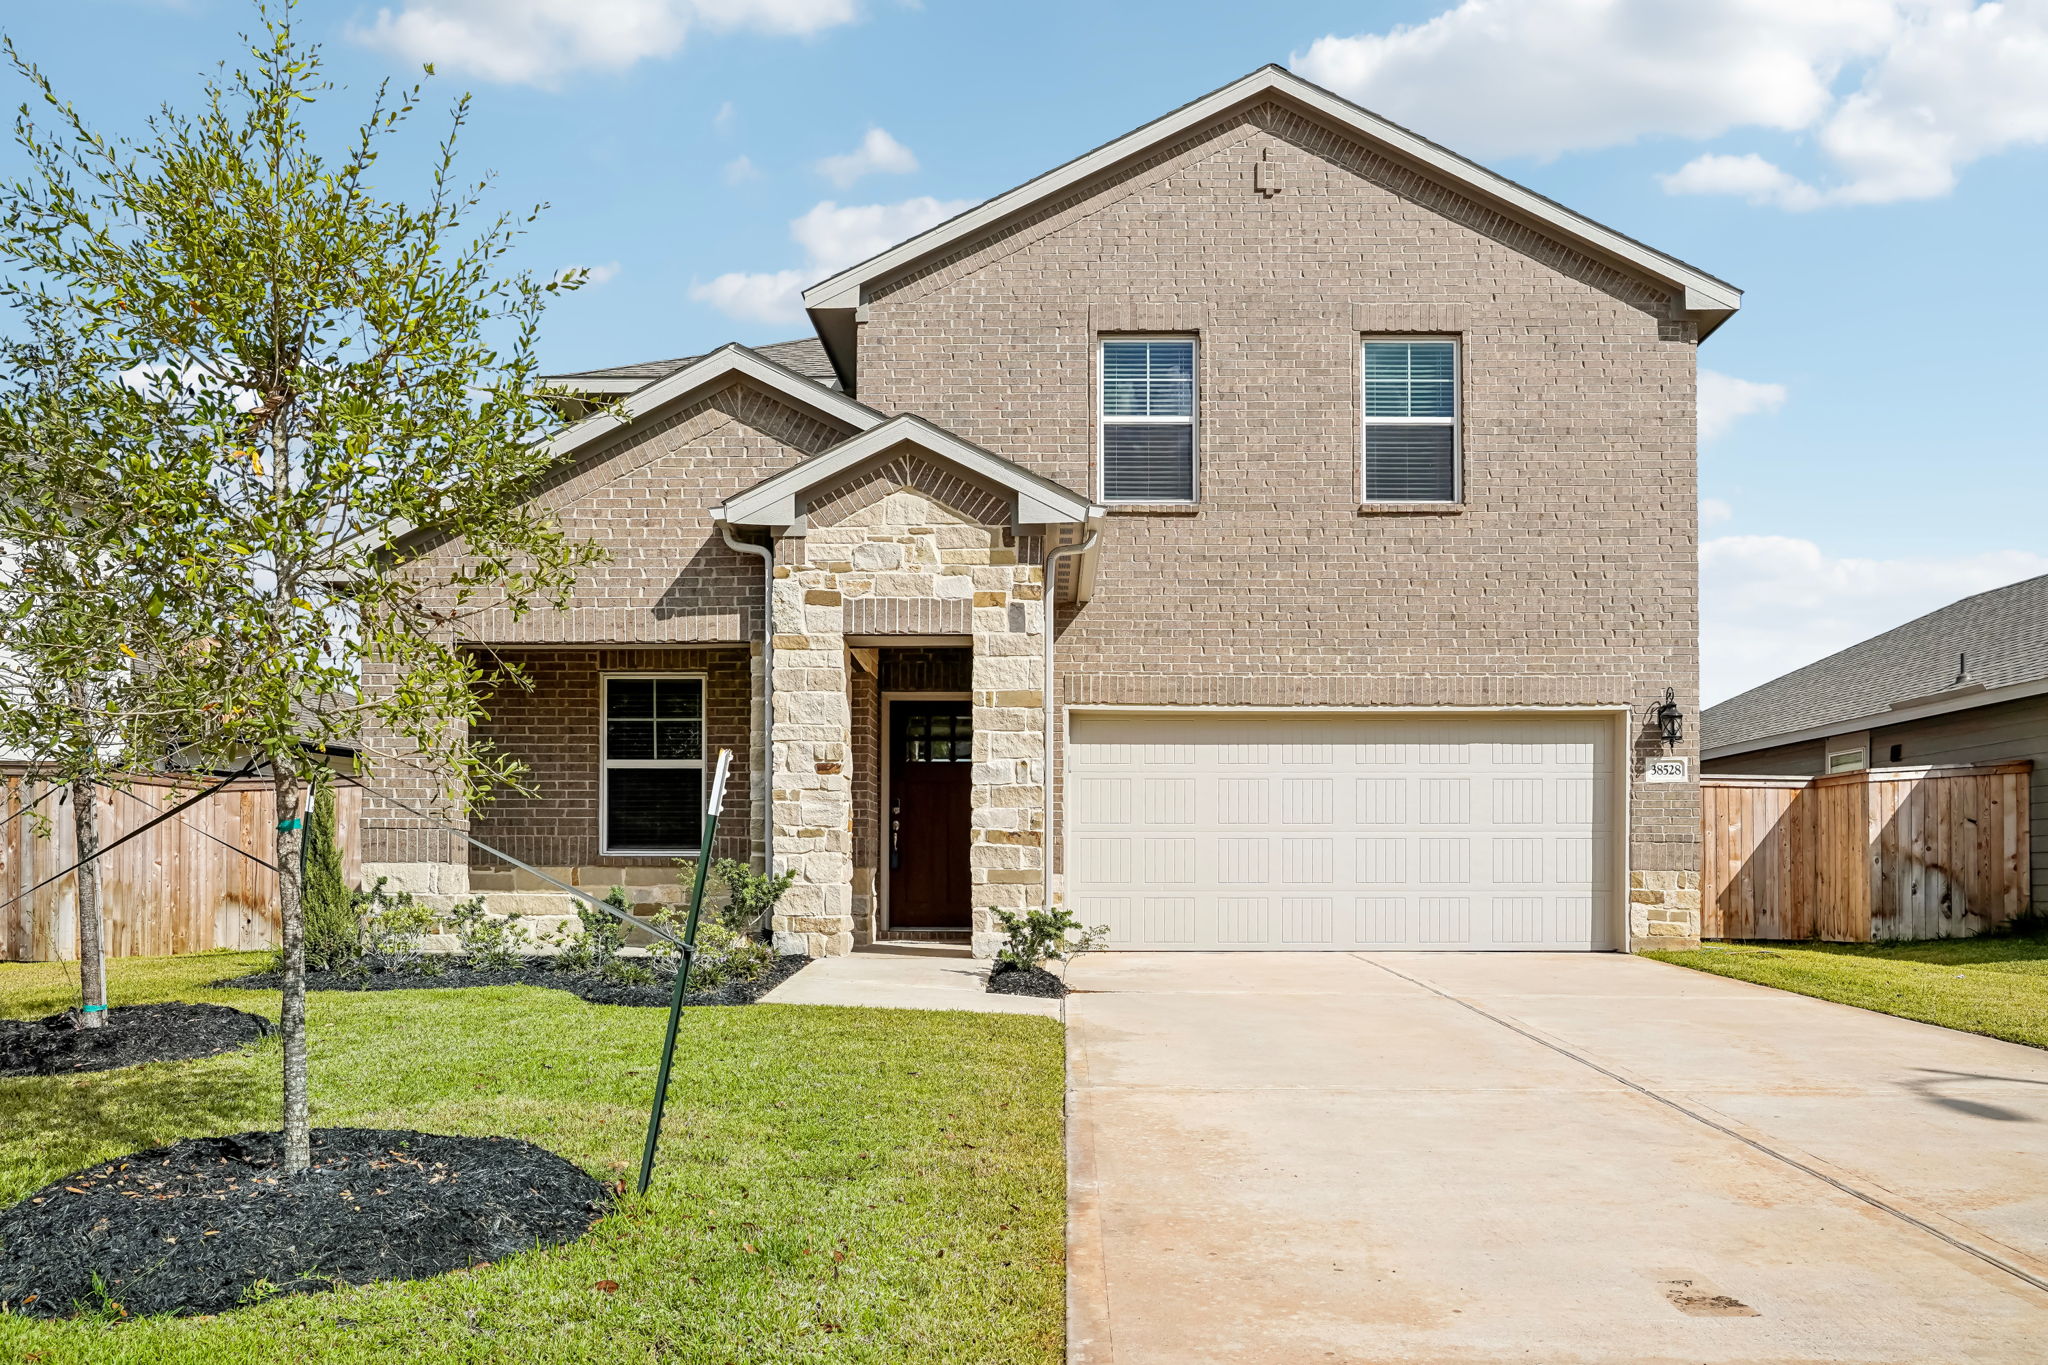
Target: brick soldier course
{"type": "Point", "coordinates": [1564, 576]}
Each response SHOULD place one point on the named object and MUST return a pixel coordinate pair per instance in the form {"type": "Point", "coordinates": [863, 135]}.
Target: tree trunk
{"type": "Point", "coordinates": [298, 1114]}
{"type": "Point", "coordinates": [92, 957]}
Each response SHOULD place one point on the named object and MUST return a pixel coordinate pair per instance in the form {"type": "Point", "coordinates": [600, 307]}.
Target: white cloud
{"type": "Point", "coordinates": [1724, 398]}
{"type": "Point", "coordinates": [727, 115]}
{"type": "Point", "coordinates": [594, 276]}
{"type": "Point", "coordinates": [537, 42]}
{"type": "Point", "coordinates": [1897, 95]}
{"type": "Point", "coordinates": [1713, 511]}
{"type": "Point", "coordinates": [833, 237]}
{"type": "Point", "coordinates": [1770, 604]}
{"type": "Point", "coordinates": [878, 154]}
{"type": "Point", "coordinates": [755, 298]}
{"type": "Point", "coordinates": [740, 169]}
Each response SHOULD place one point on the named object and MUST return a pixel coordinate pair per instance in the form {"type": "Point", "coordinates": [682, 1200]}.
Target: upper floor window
{"type": "Point", "coordinates": [1148, 419]}
{"type": "Point", "coordinates": [1411, 420]}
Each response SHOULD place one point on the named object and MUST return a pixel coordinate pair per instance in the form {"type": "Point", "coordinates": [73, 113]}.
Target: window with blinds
{"type": "Point", "coordinates": [651, 783]}
{"type": "Point", "coordinates": [1411, 421]}
{"type": "Point", "coordinates": [1148, 419]}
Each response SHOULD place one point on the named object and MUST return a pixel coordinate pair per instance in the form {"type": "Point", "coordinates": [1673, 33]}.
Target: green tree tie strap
{"type": "Point", "coordinates": [291, 824]}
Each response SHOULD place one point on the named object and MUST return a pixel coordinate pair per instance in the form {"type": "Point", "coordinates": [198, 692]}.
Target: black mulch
{"type": "Point", "coordinates": [132, 1035]}
{"type": "Point", "coordinates": [539, 972]}
{"type": "Point", "coordinates": [1007, 978]}
{"type": "Point", "coordinates": [206, 1224]}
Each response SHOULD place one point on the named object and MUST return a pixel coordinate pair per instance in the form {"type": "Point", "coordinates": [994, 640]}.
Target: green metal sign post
{"type": "Point", "coordinates": [688, 950]}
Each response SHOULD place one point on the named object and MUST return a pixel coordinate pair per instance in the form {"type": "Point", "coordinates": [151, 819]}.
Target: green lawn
{"type": "Point", "coordinates": [1994, 986]}
{"type": "Point", "coordinates": [835, 1184]}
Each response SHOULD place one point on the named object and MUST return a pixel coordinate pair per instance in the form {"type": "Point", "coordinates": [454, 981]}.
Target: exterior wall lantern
{"type": "Point", "coordinates": [1670, 719]}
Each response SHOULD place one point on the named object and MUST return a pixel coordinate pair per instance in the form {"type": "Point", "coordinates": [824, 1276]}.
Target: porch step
{"type": "Point", "coordinates": [889, 936]}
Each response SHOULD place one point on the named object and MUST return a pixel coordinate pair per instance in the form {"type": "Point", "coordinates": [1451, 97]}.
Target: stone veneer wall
{"type": "Point", "coordinates": [890, 541]}
{"type": "Point", "coordinates": [1663, 910]}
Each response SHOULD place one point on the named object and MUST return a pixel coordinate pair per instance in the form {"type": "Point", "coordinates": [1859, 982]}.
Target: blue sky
{"type": "Point", "coordinates": [1873, 172]}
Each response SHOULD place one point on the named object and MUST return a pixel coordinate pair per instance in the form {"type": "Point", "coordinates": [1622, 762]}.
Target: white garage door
{"type": "Point", "coordinates": [1331, 832]}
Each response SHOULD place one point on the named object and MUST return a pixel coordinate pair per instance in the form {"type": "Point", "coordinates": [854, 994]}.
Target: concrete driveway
{"type": "Point", "coordinates": [1507, 1157]}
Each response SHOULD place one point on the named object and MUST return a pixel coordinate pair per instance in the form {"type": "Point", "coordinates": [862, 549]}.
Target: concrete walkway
{"type": "Point", "coordinates": [1309, 1158]}
{"type": "Point", "coordinates": [904, 977]}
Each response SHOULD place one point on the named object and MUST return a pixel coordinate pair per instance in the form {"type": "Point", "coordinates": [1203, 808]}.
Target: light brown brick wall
{"type": "Point", "coordinates": [552, 727]}
{"type": "Point", "coordinates": [1569, 577]}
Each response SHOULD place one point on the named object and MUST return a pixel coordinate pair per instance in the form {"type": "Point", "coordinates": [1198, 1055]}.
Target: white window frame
{"type": "Point", "coordinates": [1193, 420]}
{"type": "Point", "coordinates": [605, 762]}
{"type": "Point", "coordinates": [1456, 421]}
{"type": "Point", "coordinates": [1857, 761]}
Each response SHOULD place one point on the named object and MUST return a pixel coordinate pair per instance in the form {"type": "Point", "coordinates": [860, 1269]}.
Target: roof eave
{"type": "Point", "coordinates": [1937, 706]}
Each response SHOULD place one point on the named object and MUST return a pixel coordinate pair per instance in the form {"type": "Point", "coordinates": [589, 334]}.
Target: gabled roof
{"type": "Point", "coordinates": [1903, 673]}
{"type": "Point", "coordinates": [718, 368]}
{"type": "Point", "coordinates": [1710, 300]}
{"type": "Point", "coordinates": [773, 501]}
{"type": "Point", "coordinates": [805, 356]}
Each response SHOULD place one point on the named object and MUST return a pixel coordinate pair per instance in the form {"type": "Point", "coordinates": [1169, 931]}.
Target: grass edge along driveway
{"type": "Point", "coordinates": [834, 1185]}
{"type": "Point", "coordinates": [1996, 985]}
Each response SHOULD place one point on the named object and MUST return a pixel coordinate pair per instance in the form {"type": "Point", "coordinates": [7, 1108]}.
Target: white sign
{"type": "Point", "coordinates": [1664, 770]}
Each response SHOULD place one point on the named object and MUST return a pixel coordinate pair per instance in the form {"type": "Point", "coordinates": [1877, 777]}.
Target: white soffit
{"type": "Point", "coordinates": [772, 502]}
{"type": "Point", "coordinates": [1702, 292]}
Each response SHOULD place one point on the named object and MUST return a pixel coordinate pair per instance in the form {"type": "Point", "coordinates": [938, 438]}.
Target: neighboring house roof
{"type": "Point", "coordinates": [832, 301]}
{"type": "Point", "coordinates": [804, 356]}
{"type": "Point", "coordinates": [1899, 675]}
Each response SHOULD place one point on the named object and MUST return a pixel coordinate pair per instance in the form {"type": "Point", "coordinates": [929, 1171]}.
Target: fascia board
{"type": "Point", "coordinates": [773, 501]}
{"type": "Point", "coordinates": [1702, 291]}
{"type": "Point", "coordinates": [727, 360]}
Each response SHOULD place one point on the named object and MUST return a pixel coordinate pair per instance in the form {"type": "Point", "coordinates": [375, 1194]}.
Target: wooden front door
{"type": "Point", "coordinates": [931, 760]}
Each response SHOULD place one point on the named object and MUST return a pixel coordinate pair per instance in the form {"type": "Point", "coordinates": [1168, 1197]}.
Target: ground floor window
{"type": "Point", "coordinates": [651, 783]}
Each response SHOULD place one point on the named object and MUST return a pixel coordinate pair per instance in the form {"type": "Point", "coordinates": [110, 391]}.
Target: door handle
{"type": "Point", "coordinates": [895, 833]}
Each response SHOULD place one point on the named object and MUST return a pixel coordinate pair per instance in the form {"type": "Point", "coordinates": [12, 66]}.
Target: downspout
{"type": "Point", "coordinates": [1052, 558]}
{"type": "Point", "coordinates": [767, 557]}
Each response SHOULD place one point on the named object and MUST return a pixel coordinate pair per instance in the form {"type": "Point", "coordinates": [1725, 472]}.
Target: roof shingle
{"type": "Point", "coordinates": [2003, 632]}
{"type": "Point", "coordinates": [805, 355]}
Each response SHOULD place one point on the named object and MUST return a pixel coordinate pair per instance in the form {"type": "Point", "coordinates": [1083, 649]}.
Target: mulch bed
{"type": "Point", "coordinates": [1007, 978]}
{"type": "Point", "coordinates": [132, 1035]}
{"type": "Point", "coordinates": [538, 972]}
{"type": "Point", "coordinates": [207, 1224]}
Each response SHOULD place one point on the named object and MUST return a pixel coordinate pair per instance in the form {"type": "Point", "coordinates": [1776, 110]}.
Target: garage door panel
{"type": "Point", "coordinates": [1343, 832]}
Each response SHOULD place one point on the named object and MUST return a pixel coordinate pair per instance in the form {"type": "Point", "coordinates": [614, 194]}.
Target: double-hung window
{"type": "Point", "coordinates": [651, 792]}
{"type": "Point", "coordinates": [1411, 420]}
{"type": "Point", "coordinates": [1148, 419]}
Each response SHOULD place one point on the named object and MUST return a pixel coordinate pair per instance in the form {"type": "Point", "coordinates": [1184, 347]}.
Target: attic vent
{"type": "Point", "coordinates": [1266, 174]}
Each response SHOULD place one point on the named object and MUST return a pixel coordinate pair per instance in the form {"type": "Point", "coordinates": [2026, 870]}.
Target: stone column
{"type": "Point", "coordinates": [812, 798]}
{"type": "Point", "coordinates": [1006, 862]}
{"type": "Point", "coordinates": [1663, 910]}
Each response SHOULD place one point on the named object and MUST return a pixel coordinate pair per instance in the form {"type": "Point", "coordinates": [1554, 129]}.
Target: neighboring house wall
{"type": "Point", "coordinates": [1984, 734]}
{"type": "Point", "coordinates": [1567, 578]}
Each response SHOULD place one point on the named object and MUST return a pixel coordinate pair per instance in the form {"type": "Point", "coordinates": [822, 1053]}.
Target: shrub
{"type": "Point", "coordinates": [390, 925]}
{"type": "Point", "coordinates": [490, 943]}
{"type": "Point", "coordinates": [750, 896]}
{"type": "Point", "coordinates": [333, 916]}
{"type": "Point", "coordinates": [1037, 937]}
{"type": "Point", "coordinates": [724, 954]}
{"type": "Point", "coordinates": [596, 940]}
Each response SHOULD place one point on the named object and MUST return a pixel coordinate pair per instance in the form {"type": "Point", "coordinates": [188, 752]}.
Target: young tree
{"type": "Point", "coordinates": [83, 627]}
{"type": "Point", "coordinates": [340, 384]}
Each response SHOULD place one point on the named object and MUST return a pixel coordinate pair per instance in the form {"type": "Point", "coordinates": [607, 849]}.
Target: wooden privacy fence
{"type": "Point", "coordinates": [1888, 853]}
{"type": "Point", "coordinates": [181, 887]}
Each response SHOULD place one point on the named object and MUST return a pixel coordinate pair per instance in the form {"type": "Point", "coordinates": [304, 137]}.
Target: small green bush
{"type": "Point", "coordinates": [490, 943]}
{"type": "Point", "coordinates": [390, 926]}
{"type": "Point", "coordinates": [596, 940]}
{"type": "Point", "coordinates": [750, 896]}
{"type": "Point", "coordinates": [724, 954]}
{"type": "Point", "coordinates": [1037, 937]}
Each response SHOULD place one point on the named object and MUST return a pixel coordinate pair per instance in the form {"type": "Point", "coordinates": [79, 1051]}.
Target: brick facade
{"type": "Point", "coordinates": [1566, 576]}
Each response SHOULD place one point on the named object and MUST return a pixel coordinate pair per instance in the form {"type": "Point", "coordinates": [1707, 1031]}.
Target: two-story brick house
{"type": "Point", "coordinates": [1269, 530]}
